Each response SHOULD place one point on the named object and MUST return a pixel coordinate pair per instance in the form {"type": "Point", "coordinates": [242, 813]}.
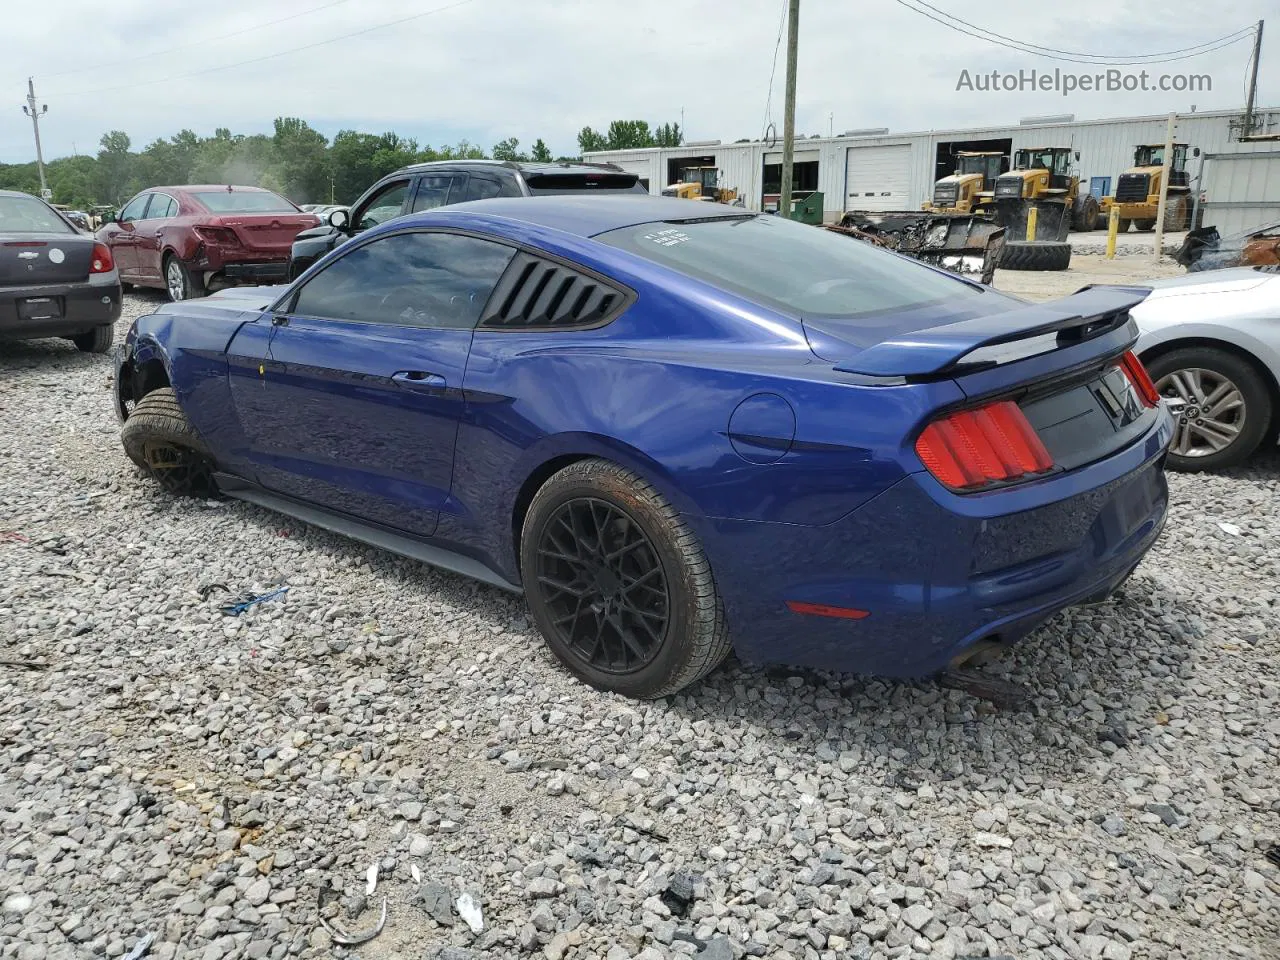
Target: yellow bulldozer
{"type": "Point", "coordinates": [971, 189]}
{"type": "Point", "coordinates": [1043, 178]}
{"type": "Point", "coordinates": [700, 183]}
{"type": "Point", "coordinates": [1138, 190]}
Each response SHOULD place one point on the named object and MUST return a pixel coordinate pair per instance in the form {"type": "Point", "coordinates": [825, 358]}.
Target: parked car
{"type": "Point", "coordinates": [674, 427]}
{"type": "Point", "coordinates": [54, 280]}
{"type": "Point", "coordinates": [192, 239]}
{"type": "Point", "coordinates": [425, 186]}
{"type": "Point", "coordinates": [1211, 342]}
{"type": "Point", "coordinates": [78, 218]}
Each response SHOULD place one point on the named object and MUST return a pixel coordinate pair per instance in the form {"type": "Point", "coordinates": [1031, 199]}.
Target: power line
{"type": "Point", "coordinates": [270, 56]}
{"type": "Point", "coordinates": [777, 44]}
{"type": "Point", "coordinates": [197, 43]}
{"type": "Point", "coordinates": [1126, 58]}
{"type": "Point", "coordinates": [1091, 59]}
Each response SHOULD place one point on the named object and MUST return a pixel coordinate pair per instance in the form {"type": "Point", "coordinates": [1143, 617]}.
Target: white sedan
{"type": "Point", "coordinates": [1211, 342]}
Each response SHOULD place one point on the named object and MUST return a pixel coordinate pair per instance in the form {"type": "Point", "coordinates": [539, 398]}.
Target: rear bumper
{"type": "Point", "coordinates": [939, 573]}
{"type": "Point", "coordinates": [268, 272]}
{"type": "Point", "coordinates": [71, 309]}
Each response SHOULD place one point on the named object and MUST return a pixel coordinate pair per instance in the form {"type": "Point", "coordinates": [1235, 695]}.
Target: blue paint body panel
{"type": "Point", "coordinates": [799, 477]}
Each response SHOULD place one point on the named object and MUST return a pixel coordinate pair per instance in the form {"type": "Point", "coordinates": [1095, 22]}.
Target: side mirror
{"type": "Point", "coordinates": [1195, 151]}
{"type": "Point", "coordinates": [1077, 156]}
{"type": "Point", "coordinates": [338, 219]}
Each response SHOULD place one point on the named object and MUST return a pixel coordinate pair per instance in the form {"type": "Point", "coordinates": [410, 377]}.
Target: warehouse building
{"type": "Point", "coordinates": [879, 170]}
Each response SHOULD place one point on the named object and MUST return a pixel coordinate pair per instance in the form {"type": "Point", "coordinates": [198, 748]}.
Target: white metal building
{"type": "Point", "coordinates": [878, 170]}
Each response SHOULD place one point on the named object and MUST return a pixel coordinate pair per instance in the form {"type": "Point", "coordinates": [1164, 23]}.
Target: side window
{"type": "Point", "coordinates": [384, 206]}
{"type": "Point", "coordinates": [134, 209]}
{"type": "Point", "coordinates": [162, 206]}
{"type": "Point", "coordinates": [511, 187]}
{"type": "Point", "coordinates": [439, 280]}
{"type": "Point", "coordinates": [433, 191]}
{"type": "Point", "coordinates": [482, 188]}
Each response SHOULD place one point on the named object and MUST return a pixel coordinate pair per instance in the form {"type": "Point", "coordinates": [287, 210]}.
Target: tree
{"type": "Point", "coordinates": [629, 135]}
{"type": "Point", "coordinates": [540, 153]}
{"type": "Point", "coordinates": [302, 166]}
{"type": "Point", "coordinates": [115, 167]}
{"type": "Point", "coordinates": [668, 135]}
{"type": "Point", "coordinates": [508, 149]}
{"type": "Point", "coordinates": [589, 141]}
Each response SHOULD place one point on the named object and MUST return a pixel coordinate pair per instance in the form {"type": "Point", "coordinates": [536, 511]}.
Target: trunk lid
{"type": "Point", "coordinates": [44, 258]}
{"type": "Point", "coordinates": [266, 232]}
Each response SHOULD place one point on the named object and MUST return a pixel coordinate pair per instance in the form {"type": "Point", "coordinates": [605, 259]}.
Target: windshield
{"type": "Point", "coordinates": [29, 215]}
{"type": "Point", "coordinates": [222, 201]}
{"type": "Point", "coordinates": [795, 268]}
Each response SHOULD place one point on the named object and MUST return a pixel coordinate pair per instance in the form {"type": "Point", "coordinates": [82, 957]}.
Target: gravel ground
{"type": "Point", "coordinates": [221, 783]}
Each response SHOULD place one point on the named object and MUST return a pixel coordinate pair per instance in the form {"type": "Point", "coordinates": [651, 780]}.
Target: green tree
{"type": "Point", "coordinates": [589, 141]}
{"type": "Point", "coordinates": [540, 153]}
{"type": "Point", "coordinates": [629, 135]}
{"type": "Point", "coordinates": [508, 149]}
{"type": "Point", "coordinates": [668, 135]}
{"type": "Point", "coordinates": [301, 166]}
{"type": "Point", "coordinates": [116, 170]}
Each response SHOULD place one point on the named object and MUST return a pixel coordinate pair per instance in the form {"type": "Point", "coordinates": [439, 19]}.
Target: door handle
{"type": "Point", "coordinates": [419, 380]}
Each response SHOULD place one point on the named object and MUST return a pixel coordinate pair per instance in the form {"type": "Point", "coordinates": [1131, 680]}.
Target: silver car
{"type": "Point", "coordinates": [1211, 342]}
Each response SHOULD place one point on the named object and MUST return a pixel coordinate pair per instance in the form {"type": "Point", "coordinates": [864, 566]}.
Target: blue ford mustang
{"type": "Point", "coordinates": [676, 428]}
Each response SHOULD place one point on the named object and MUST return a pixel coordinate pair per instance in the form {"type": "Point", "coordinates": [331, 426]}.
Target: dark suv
{"type": "Point", "coordinates": [423, 186]}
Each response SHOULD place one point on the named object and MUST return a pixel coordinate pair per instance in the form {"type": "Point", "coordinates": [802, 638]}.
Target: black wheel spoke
{"type": "Point", "coordinates": [603, 585]}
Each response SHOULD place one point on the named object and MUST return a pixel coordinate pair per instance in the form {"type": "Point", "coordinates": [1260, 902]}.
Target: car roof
{"type": "Point", "coordinates": [585, 214]}
{"type": "Point", "coordinates": [18, 193]}
{"type": "Point", "coordinates": [209, 187]}
{"type": "Point", "coordinates": [520, 165]}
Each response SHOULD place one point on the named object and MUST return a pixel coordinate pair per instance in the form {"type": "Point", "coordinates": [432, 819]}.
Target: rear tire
{"type": "Point", "coordinates": [1020, 255]}
{"type": "Point", "coordinates": [1123, 226]}
{"type": "Point", "coordinates": [618, 584]}
{"type": "Point", "coordinates": [97, 340]}
{"type": "Point", "coordinates": [160, 439]}
{"type": "Point", "coordinates": [1179, 373]}
{"type": "Point", "coordinates": [1145, 225]}
{"type": "Point", "coordinates": [180, 283]}
{"type": "Point", "coordinates": [1085, 215]}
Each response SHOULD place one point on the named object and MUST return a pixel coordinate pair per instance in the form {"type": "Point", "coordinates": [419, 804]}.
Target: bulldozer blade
{"type": "Point", "coordinates": [1053, 219]}
{"type": "Point", "coordinates": [963, 243]}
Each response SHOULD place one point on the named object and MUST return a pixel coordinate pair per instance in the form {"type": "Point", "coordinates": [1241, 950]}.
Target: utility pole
{"type": "Point", "coordinates": [1253, 81]}
{"type": "Point", "coordinates": [35, 115]}
{"type": "Point", "coordinates": [789, 114]}
{"type": "Point", "coordinates": [1163, 204]}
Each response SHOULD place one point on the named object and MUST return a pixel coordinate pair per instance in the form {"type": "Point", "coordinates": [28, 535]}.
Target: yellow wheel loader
{"type": "Point", "coordinates": [1138, 190]}
{"type": "Point", "coordinates": [1043, 178]}
{"type": "Point", "coordinates": [700, 183]}
{"type": "Point", "coordinates": [971, 188]}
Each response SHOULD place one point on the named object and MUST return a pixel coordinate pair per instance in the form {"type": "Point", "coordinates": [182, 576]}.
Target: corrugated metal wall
{"type": "Point", "coordinates": [1106, 150]}
{"type": "Point", "coordinates": [1243, 187]}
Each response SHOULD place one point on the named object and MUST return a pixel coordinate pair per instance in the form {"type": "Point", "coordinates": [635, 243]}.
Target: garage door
{"type": "Point", "coordinates": [879, 178]}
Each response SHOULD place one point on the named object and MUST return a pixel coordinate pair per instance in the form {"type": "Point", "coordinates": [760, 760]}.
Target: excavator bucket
{"type": "Point", "coordinates": [1053, 219]}
{"type": "Point", "coordinates": [963, 243]}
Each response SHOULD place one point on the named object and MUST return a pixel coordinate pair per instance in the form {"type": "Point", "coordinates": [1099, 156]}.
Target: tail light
{"type": "Point", "coordinates": [101, 261]}
{"type": "Point", "coordinates": [215, 234]}
{"type": "Point", "coordinates": [1141, 380]}
{"type": "Point", "coordinates": [970, 449]}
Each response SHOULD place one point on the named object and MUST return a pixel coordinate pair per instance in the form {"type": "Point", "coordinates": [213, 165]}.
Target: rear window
{"type": "Point", "coordinates": [798, 269]}
{"type": "Point", "coordinates": [220, 201]}
{"type": "Point", "coordinates": [547, 184]}
{"type": "Point", "coordinates": [29, 215]}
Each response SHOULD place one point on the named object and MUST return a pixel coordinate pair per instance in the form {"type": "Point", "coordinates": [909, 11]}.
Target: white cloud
{"type": "Point", "coordinates": [490, 69]}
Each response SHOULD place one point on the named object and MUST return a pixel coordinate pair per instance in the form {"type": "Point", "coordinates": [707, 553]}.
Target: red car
{"type": "Point", "coordinates": [195, 239]}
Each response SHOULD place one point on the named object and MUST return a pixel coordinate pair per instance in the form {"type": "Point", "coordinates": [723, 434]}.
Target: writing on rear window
{"type": "Point", "coordinates": [667, 238]}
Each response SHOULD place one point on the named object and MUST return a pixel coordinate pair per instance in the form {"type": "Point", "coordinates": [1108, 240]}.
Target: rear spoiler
{"type": "Point", "coordinates": [1090, 312]}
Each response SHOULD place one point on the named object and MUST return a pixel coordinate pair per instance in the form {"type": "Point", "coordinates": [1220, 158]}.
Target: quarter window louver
{"type": "Point", "coordinates": [540, 293]}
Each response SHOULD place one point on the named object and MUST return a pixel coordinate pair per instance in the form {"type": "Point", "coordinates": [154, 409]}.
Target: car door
{"type": "Point", "coordinates": [148, 235]}
{"type": "Point", "coordinates": [121, 236]}
{"type": "Point", "coordinates": [349, 392]}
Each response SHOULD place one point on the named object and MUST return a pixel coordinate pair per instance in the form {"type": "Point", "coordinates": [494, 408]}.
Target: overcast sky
{"type": "Point", "coordinates": [489, 69]}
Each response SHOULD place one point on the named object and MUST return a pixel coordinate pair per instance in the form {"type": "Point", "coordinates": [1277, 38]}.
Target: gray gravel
{"type": "Point", "coordinates": [223, 783]}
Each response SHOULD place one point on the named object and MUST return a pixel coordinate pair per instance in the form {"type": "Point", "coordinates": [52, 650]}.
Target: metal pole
{"type": "Point", "coordinates": [789, 114]}
{"type": "Point", "coordinates": [1195, 207]}
{"type": "Point", "coordinates": [35, 125]}
{"type": "Point", "coordinates": [1253, 82]}
{"type": "Point", "coordinates": [1164, 185]}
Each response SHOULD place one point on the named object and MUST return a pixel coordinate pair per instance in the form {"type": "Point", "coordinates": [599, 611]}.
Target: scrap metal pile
{"type": "Point", "coordinates": [968, 244]}
{"type": "Point", "coordinates": [1205, 249]}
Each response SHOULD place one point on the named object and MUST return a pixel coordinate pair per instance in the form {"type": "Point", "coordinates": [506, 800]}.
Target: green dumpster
{"type": "Point", "coordinates": [806, 207]}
